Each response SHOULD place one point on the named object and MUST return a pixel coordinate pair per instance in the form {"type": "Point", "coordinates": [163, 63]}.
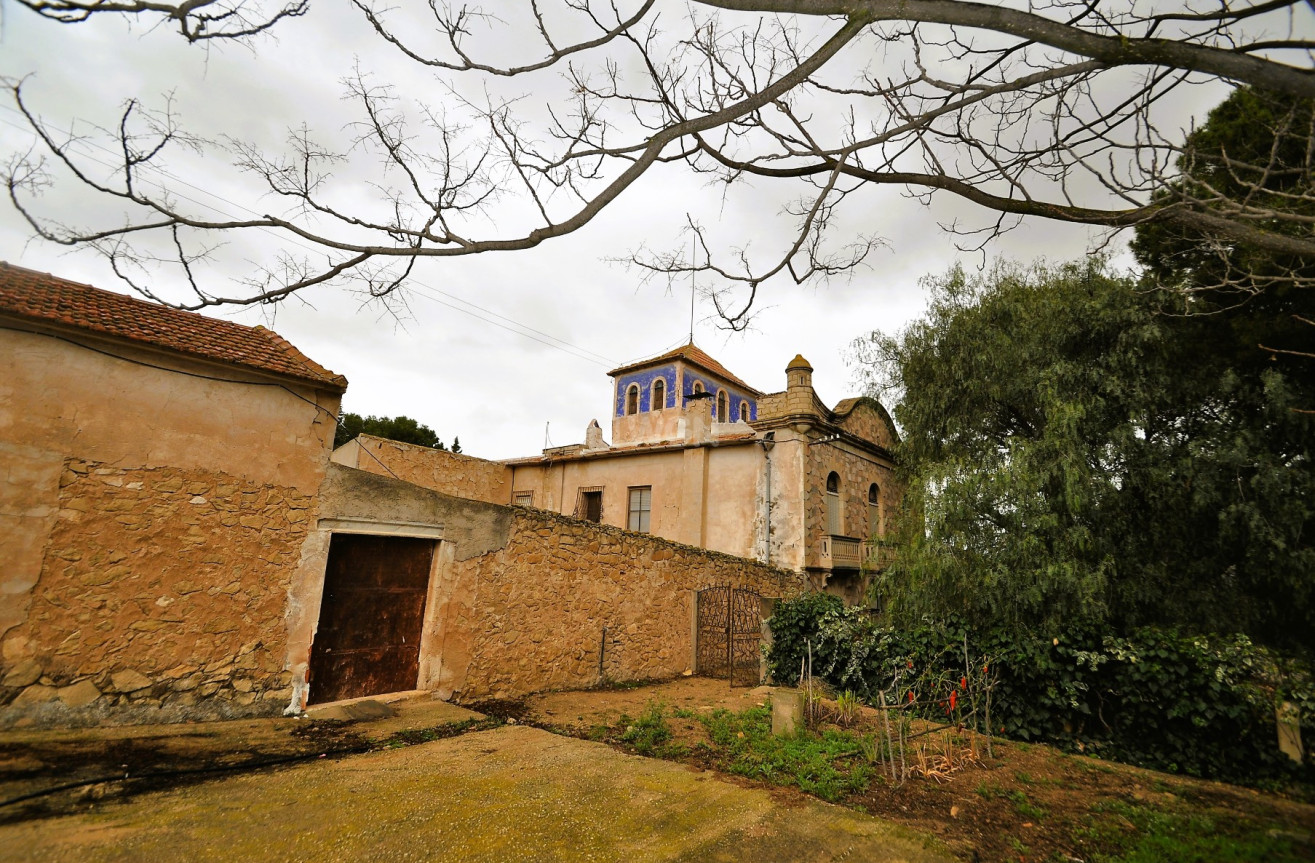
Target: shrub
{"type": "Point", "coordinates": [1158, 698]}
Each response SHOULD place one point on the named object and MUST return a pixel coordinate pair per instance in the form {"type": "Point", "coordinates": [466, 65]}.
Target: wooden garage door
{"type": "Point", "coordinates": [368, 640]}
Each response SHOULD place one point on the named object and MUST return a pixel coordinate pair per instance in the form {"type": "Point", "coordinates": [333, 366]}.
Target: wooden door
{"type": "Point", "coordinates": [371, 616]}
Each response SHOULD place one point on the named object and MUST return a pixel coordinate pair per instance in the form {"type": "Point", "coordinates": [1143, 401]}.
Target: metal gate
{"type": "Point", "coordinates": [730, 635]}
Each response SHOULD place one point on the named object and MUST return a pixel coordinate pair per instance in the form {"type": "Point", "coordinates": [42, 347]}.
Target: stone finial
{"type": "Point", "coordinates": [799, 374]}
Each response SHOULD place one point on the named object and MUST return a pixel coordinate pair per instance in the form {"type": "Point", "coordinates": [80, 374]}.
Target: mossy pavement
{"type": "Point", "coordinates": [503, 794]}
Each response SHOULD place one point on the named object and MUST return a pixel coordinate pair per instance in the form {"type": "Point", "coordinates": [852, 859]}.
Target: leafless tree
{"type": "Point", "coordinates": [1051, 110]}
{"type": "Point", "coordinates": [196, 20]}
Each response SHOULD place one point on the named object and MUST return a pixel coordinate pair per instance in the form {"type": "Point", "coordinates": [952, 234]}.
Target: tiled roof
{"type": "Point", "coordinates": [693, 355]}
{"type": "Point", "coordinates": [41, 297]}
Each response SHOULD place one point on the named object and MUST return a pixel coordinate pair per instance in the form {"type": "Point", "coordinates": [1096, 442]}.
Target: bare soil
{"type": "Point", "coordinates": [1020, 802]}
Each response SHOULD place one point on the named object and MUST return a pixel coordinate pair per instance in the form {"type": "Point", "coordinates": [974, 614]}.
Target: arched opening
{"type": "Point", "coordinates": [632, 399]}
{"type": "Point", "coordinates": [833, 520]}
{"type": "Point", "coordinates": [744, 412]}
{"type": "Point", "coordinates": [697, 388]}
{"type": "Point", "coordinates": [722, 415]}
{"type": "Point", "coordinates": [659, 400]}
{"type": "Point", "coordinates": [875, 527]}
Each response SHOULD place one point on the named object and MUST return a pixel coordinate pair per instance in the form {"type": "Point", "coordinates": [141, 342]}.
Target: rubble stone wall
{"type": "Point", "coordinates": [562, 591]}
{"type": "Point", "coordinates": [447, 472]}
{"type": "Point", "coordinates": [161, 596]}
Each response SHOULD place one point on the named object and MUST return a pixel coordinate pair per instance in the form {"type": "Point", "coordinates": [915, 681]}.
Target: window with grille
{"type": "Point", "coordinates": [641, 505]}
{"type": "Point", "coordinates": [523, 498]}
{"type": "Point", "coordinates": [589, 504]}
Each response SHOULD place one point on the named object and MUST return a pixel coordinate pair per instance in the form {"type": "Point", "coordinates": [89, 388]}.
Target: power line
{"type": "Point", "coordinates": [509, 324]}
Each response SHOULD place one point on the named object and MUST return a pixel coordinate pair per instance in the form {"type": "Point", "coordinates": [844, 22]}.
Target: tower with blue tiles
{"type": "Point", "coordinates": [677, 395]}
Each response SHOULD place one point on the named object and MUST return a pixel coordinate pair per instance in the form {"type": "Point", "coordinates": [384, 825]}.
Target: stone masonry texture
{"type": "Point", "coordinates": [161, 596]}
{"type": "Point", "coordinates": [448, 472]}
{"type": "Point", "coordinates": [543, 600]}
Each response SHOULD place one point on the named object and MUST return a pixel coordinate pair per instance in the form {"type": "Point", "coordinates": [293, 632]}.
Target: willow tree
{"type": "Point", "coordinates": [1078, 450]}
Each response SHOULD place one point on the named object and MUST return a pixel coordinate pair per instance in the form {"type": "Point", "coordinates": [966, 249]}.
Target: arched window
{"type": "Point", "coordinates": [722, 415]}
{"type": "Point", "coordinates": [698, 387]}
{"type": "Point", "coordinates": [632, 399]}
{"type": "Point", "coordinates": [874, 511]}
{"type": "Point", "coordinates": [744, 412]}
{"type": "Point", "coordinates": [659, 400]}
{"type": "Point", "coordinates": [833, 520]}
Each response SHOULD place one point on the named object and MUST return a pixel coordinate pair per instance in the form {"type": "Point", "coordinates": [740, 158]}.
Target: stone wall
{"type": "Point", "coordinates": [543, 601]}
{"type": "Point", "coordinates": [520, 596]}
{"type": "Point", "coordinates": [868, 424]}
{"type": "Point", "coordinates": [447, 472]}
{"type": "Point", "coordinates": [857, 473]}
{"type": "Point", "coordinates": [161, 596]}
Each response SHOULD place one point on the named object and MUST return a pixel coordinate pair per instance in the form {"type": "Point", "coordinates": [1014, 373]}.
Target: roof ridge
{"type": "Point", "coordinates": [693, 354]}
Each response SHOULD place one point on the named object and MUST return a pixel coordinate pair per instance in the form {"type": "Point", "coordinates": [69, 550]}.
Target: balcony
{"type": "Point", "coordinates": [841, 552]}
{"type": "Point", "coordinates": [877, 555]}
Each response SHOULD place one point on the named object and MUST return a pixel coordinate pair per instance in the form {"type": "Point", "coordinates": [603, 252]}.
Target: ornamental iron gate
{"type": "Point", "coordinates": [730, 635]}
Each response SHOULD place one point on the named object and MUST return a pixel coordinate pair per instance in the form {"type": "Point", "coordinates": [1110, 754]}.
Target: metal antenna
{"type": "Point", "coordinates": [693, 254]}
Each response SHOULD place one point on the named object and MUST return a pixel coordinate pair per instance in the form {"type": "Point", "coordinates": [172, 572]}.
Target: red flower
{"type": "Point", "coordinates": [910, 663]}
{"type": "Point", "coordinates": [910, 696]}
{"type": "Point", "coordinates": [963, 683]}
{"type": "Point", "coordinates": [954, 698]}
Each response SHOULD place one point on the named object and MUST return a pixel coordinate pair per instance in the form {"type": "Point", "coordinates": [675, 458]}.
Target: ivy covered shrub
{"type": "Point", "coordinates": [1202, 705]}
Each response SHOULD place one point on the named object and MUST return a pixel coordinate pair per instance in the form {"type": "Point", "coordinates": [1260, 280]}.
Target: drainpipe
{"type": "Point", "coordinates": [768, 441]}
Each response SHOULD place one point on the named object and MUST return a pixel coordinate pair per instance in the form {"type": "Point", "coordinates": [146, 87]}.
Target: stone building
{"type": "Point", "coordinates": [176, 545]}
{"type": "Point", "coordinates": [703, 458]}
{"type": "Point", "coordinates": [158, 477]}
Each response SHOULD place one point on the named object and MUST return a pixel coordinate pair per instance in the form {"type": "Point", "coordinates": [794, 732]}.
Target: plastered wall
{"type": "Point", "coordinates": [152, 513]}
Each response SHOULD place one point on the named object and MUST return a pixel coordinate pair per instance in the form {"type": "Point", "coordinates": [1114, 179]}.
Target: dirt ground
{"type": "Point", "coordinates": [1021, 802]}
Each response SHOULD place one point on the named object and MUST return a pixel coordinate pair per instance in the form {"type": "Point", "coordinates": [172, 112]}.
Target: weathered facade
{"type": "Point", "coordinates": [178, 545]}
{"type": "Point", "coordinates": [158, 475]}
{"type": "Point", "coordinates": [702, 458]}
{"type": "Point", "coordinates": [518, 599]}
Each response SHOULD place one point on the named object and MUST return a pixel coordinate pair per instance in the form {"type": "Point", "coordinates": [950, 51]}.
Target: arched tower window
{"type": "Point", "coordinates": [698, 387]}
{"type": "Point", "coordinates": [722, 415]}
{"type": "Point", "coordinates": [874, 511]}
{"type": "Point", "coordinates": [744, 412]}
{"type": "Point", "coordinates": [659, 395]}
{"type": "Point", "coordinates": [833, 520]}
{"type": "Point", "coordinates": [632, 399]}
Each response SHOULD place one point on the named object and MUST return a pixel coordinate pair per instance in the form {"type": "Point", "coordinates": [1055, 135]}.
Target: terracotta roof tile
{"type": "Point", "coordinates": [694, 355]}
{"type": "Point", "coordinates": [41, 297]}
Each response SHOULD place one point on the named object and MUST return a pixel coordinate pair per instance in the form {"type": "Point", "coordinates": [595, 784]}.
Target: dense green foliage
{"type": "Point", "coordinates": [1156, 698]}
{"type": "Point", "coordinates": [398, 428]}
{"type": "Point", "coordinates": [1077, 452]}
{"type": "Point", "coordinates": [1253, 152]}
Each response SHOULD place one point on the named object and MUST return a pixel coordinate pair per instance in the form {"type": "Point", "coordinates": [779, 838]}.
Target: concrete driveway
{"type": "Point", "coordinates": [506, 794]}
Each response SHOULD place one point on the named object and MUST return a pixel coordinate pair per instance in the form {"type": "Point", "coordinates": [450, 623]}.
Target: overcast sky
{"type": "Point", "coordinates": [491, 348]}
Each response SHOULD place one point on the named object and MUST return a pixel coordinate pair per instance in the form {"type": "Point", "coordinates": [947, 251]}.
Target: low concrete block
{"type": "Point", "coordinates": [787, 712]}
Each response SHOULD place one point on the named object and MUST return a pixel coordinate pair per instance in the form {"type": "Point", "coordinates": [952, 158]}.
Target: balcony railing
{"type": "Point", "coordinates": [841, 552]}
{"type": "Point", "coordinates": [877, 554]}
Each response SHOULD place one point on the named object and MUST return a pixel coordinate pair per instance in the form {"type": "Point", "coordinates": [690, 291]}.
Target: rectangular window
{"type": "Point", "coordinates": [641, 504]}
{"type": "Point", "coordinates": [589, 506]}
{"type": "Point", "coordinates": [523, 498]}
